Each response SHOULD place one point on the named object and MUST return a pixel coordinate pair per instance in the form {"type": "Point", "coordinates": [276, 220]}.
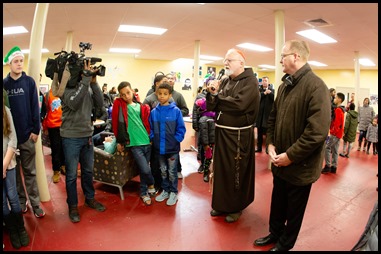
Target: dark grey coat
{"type": "Point", "coordinates": [299, 125]}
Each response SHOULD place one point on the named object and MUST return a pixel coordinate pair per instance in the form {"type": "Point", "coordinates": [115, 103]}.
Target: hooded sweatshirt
{"type": "Point", "coordinates": [24, 105]}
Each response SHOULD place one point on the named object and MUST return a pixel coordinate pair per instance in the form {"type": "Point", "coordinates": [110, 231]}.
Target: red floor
{"type": "Point", "coordinates": [336, 214]}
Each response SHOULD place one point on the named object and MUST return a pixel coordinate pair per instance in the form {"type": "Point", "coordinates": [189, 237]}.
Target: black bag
{"type": "Point", "coordinates": [51, 68]}
{"type": "Point", "coordinates": [369, 239]}
{"type": "Point", "coordinates": [75, 75]}
{"type": "Point", "coordinates": [58, 64]}
{"type": "Point", "coordinates": [55, 65]}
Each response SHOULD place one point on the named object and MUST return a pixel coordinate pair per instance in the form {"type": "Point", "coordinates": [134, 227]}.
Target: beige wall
{"type": "Point", "coordinates": [140, 73]}
{"type": "Point", "coordinates": [339, 78]}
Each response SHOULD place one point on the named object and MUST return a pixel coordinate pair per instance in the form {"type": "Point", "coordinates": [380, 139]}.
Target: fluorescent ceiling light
{"type": "Point", "coordinates": [366, 62]}
{"type": "Point", "coordinates": [190, 61]}
{"type": "Point", "coordinates": [267, 66]}
{"type": "Point", "coordinates": [254, 47]}
{"type": "Point", "coordinates": [14, 30]}
{"type": "Point", "coordinates": [141, 29]}
{"type": "Point", "coordinates": [315, 63]}
{"type": "Point", "coordinates": [27, 51]}
{"type": "Point", "coordinates": [124, 50]}
{"type": "Point", "coordinates": [213, 58]}
{"type": "Point", "coordinates": [317, 36]}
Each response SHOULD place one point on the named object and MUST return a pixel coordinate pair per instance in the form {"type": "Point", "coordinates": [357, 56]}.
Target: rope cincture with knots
{"type": "Point", "coordinates": [236, 173]}
{"type": "Point", "coordinates": [237, 158]}
{"type": "Point", "coordinates": [211, 177]}
{"type": "Point", "coordinates": [211, 174]}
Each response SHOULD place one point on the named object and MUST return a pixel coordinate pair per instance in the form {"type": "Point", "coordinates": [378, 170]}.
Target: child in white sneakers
{"type": "Point", "coordinates": [167, 131]}
{"type": "Point", "coordinates": [130, 123]}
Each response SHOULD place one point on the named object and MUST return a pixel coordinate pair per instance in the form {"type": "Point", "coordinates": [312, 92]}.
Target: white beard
{"type": "Point", "coordinates": [228, 72]}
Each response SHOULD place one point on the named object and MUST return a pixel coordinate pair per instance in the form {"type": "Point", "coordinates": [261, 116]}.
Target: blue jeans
{"type": "Point", "coordinates": [142, 155]}
{"type": "Point", "coordinates": [10, 194]}
{"type": "Point", "coordinates": [97, 140]}
{"type": "Point", "coordinates": [168, 167]}
{"type": "Point", "coordinates": [78, 150]}
{"type": "Point", "coordinates": [362, 135]}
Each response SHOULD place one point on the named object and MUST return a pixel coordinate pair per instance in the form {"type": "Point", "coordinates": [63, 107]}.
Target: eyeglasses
{"type": "Point", "coordinates": [284, 55]}
{"type": "Point", "coordinates": [230, 60]}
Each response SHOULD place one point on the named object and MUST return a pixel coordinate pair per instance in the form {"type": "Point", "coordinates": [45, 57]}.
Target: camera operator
{"type": "Point", "coordinates": [76, 132]}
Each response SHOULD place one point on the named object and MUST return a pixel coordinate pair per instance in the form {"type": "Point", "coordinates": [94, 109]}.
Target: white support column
{"type": "Point", "coordinates": [69, 42]}
{"type": "Point", "coordinates": [196, 65]}
{"type": "Point", "coordinates": [357, 78]}
{"type": "Point", "coordinates": [279, 42]}
{"type": "Point", "coordinates": [36, 43]}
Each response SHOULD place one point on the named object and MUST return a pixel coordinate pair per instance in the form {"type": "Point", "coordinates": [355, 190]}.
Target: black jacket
{"type": "Point", "coordinates": [265, 106]}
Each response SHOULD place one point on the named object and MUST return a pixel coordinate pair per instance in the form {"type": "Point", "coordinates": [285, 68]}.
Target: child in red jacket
{"type": "Point", "coordinates": [336, 132]}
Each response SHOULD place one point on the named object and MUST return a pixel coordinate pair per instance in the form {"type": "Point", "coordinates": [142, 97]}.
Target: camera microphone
{"type": "Point", "coordinates": [96, 59]}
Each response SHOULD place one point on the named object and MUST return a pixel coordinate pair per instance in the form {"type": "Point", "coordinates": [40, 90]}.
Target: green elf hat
{"type": "Point", "coordinates": [15, 51]}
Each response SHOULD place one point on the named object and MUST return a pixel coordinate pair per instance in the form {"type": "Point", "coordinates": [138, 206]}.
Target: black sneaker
{"type": "Point", "coordinates": [73, 214]}
{"type": "Point", "coordinates": [206, 177]}
{"type": "Point", "coordinates": [92, 203]}
{"type": "Point", "coordinates": [326, 169]}
{"type": "Point", "coordinates": [200, 170]}
{"type": "Point", "coordinates": [38, 212]}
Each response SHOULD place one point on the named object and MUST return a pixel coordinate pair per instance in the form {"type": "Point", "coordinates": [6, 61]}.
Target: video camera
{"type": "Point", "coordinates": [79, 59]}
{"type": "Point", "coordinates": [75, 63]}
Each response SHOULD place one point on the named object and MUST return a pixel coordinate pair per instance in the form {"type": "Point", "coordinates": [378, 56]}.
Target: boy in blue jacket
{"type": "Point", "coordinates": [167, 131]}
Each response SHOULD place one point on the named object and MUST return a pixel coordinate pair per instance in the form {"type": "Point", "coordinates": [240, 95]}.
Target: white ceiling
{"type": "Point", "coordinates": [217, 26]}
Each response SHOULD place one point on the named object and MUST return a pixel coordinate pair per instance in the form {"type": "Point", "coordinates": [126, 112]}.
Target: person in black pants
{"type": "Point", "coordinates": [265, 106]}
{"type": "Point", "coordinates": [51, 127]}
{"type": "Point", "coordinates": [296, 133]}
